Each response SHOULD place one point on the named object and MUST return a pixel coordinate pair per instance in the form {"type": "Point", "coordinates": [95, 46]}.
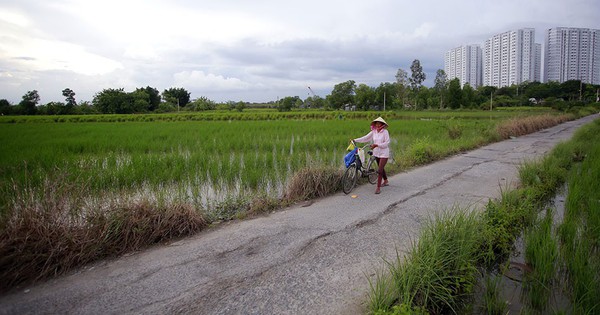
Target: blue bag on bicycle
{"type": "Point", "coordinates": [350, 157]}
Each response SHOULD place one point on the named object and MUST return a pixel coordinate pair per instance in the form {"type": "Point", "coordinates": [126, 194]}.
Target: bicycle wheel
{"type": "Point", "coordinates": [371, 171]}
{"type": "Point", "coordinates": [349, 179]}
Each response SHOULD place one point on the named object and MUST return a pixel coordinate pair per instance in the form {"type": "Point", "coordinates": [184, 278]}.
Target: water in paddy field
{"type": "Point", "coordinates": [511, 286]}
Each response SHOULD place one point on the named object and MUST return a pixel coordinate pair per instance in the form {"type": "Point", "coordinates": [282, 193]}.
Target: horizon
{"type": "Point", "coordinates": [253, 52]}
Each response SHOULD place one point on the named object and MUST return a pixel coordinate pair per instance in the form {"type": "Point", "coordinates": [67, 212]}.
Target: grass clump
{"type": "Point", "coordinates": [503, 220]}
{"type": "Point", "coordinates": [313, 182]}
{"type": "Point", "coordinates": [493, 304]}
{"type": "Point", "coordinates": [439, 272]}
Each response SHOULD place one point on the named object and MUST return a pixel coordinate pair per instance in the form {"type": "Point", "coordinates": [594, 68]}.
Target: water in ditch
{"type": "Point", "coordinates": [510, 276]}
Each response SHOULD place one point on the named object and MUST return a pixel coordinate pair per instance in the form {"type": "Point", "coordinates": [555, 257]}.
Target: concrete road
{"type": "Point", "coordinates": [315, 259]}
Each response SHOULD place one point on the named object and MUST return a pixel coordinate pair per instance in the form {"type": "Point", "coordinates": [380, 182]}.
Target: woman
{"type": "Point", "coordinates": [381, 141]}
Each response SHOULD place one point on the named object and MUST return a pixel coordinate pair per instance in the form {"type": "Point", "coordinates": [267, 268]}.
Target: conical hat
{"type": "Point", "coordinates": [379, 119]}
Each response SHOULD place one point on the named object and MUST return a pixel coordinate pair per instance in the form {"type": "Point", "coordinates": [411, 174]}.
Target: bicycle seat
{"type": "Point", "coordinates": [370, 152]}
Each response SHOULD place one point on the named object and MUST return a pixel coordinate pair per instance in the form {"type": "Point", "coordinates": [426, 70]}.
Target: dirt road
{"type": "Point", "coordinates": [302, 260]}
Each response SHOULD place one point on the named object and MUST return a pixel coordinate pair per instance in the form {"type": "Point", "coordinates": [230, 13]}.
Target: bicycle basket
{"type": "Point", "coordinates": [350, 157]}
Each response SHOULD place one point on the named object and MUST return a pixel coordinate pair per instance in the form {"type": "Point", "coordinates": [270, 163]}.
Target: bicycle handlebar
{"type": "Point", "coordinates": [354, 143]}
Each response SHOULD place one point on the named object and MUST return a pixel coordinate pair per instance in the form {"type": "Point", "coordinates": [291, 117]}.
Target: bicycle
{"type": "Point", "coordinates": [351, 175]}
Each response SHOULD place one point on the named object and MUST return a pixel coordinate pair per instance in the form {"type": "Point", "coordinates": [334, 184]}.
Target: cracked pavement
{"type": "Point", "coordinates": [300, 260]}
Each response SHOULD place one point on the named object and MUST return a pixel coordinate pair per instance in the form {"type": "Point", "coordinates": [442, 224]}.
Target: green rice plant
{"type": "Point", "coordinates": [493, 304]}
{"type": "Point", "coordinates": [541, 253]}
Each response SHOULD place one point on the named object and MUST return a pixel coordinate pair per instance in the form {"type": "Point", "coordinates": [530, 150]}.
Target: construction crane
{"type": "Point", "coordinates": [314, 97]}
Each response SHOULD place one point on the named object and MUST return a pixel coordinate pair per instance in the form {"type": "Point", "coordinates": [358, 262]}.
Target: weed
{"type": "Point", "coordinates": [438, 273]}
{"type": "Point", "coordinates": [541, 253]}
{"type": "Point", "coordinates": [492, 302]}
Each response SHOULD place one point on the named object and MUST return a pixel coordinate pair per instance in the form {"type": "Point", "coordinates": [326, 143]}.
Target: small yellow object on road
{"type": "Point", "coordinates": [354, 196]}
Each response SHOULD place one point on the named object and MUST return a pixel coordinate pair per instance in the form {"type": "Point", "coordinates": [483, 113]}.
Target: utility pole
{"type": "Point", "coordinates": [491, 100]}
{"type": "Point", "coordinates": [384, 101]}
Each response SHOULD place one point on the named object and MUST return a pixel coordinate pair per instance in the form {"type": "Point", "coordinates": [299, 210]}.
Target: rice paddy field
{"type": "Point", "coordinates": [202, 160]}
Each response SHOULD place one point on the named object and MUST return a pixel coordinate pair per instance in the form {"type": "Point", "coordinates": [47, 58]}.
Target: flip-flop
{"type": "Point", "coordinates": [377, 192]}
{"type": "Point", "coordinates": [385, 185]}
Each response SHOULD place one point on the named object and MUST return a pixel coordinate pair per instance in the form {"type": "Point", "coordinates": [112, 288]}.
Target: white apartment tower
{"type": "Point", "coordinates": [464, 63]}
{"type": "Point", "coordinates": [511, 58]}
{"type": "Point", "coordinates": [572, 54]}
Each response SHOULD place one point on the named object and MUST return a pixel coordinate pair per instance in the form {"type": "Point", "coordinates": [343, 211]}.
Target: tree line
{"type": "Point", "coordinates": [407, 92]}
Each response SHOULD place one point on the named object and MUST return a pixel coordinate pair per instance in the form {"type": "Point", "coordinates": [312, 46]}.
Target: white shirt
{"type": "Point", "coordinates": [381, 139]}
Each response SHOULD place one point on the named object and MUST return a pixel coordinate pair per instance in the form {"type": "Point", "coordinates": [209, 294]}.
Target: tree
{"type": "Point", "coordinates": [29, 102]}
{"type": "Point", "coordinates": [70, 100]}
{"type": "Point", "coordinates": [423, 97]}
{"type": "Point", "coordinates": [418, 76]}
{"type": "Point", "coordinates": [571, 89]}
{"type": "Point", "coordinates": [153, 97]}
{"type": "Point", "coordinates": [468, 96]}
{"type": "Point", "coordinates": [5, 107]}
{"type": "Point", "coordinates": [365, 97]}
{"type": "Point", "coordinates": [441, 84]}
{"type": "Point", "coordinates": [287, 103]}
{"type": "Point", "coordinates": [52, 108]}
{"type": "Point", "coordinates": [454, 94]}
{"type": "Point", "coordinates": [314, 101]}
{"type": "Point", "coordinates": [402, 84]}
{"type": "Point", "coordinates": [139, 101]}
{"type": "Point", "coordinates": [201, 104]}
{"type": "Point", "coordinates": [178, 96]}
{"type": "Point", "coordinates": [112, 101]}
{"type": "Point", "coordinates": [386, 95]}
{"type": "Point", "coordinates": [239, 106]}
{"type": "Point", "coordinates": [342, 94]}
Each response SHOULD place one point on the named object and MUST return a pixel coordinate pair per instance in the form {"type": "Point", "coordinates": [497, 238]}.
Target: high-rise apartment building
{"type": "Point", "coordinates": [511, 58]}
{"type": "Point", "coordinates": [572, 54]}
{"type": "Point", "coordinates": [464, 63]}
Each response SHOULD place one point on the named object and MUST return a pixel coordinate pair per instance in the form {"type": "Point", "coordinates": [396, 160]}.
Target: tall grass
{"type": "Point", "coordinates": [439, 271]}
{"type": "Point", "coordinates": [541, 254]}
{"type": "Point", "coordinates": [580, 231]}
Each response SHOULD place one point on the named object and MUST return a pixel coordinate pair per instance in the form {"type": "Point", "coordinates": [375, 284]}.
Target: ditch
{"type": "Point", "coordinates": [508, 281]}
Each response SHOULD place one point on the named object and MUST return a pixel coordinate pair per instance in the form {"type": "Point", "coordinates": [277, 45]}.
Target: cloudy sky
{"type": "Point", "coordinates": [249, 50]}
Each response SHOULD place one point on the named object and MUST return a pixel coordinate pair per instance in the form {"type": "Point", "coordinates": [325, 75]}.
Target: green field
{"type": "Point", "coordinates": [202, 160]}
